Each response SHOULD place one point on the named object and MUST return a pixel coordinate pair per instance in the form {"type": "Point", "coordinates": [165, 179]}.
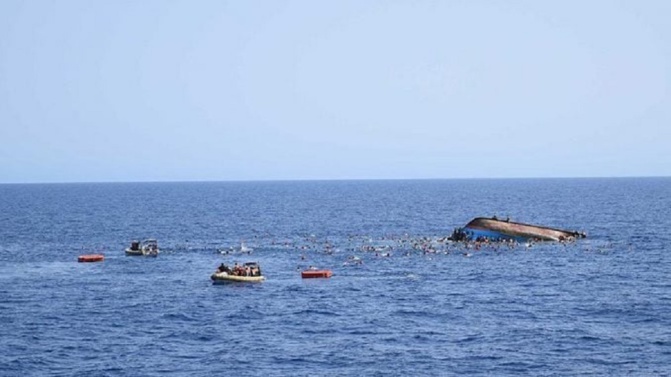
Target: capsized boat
{"type": "Point", "coordinates": [494, 229]}
{"type": "Point", "coordinates": [249, 272]}
{"type": "Point", "coordinates": [147, 247]}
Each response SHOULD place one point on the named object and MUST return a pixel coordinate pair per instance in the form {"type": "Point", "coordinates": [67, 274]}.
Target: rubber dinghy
{"type": "Point", "coordinates": [249, 272]}
{"type": "Point", "coordinates": [493, 229]}
{"type": "Point", "coordinates": [223, 278]}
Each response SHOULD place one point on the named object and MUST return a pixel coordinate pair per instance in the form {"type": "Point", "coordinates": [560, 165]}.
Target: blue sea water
{"type": "Point", "coordinates": [600, 306]}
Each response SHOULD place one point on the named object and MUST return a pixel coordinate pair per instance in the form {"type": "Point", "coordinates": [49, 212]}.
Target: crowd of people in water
{"type": "Point", "coordinates": [355, 249]}
{"type": "Point", "coordinates": [391, 245]}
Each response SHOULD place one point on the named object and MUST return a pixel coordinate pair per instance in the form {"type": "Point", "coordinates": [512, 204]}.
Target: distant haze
{"type": "Point", "coordinates": [282, 90]}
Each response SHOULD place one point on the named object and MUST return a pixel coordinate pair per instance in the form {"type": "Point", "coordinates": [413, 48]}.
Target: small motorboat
{"type": "Point", "coordinates": [147, 247]}
{"type": "Point", "coordinates": [249, 272]}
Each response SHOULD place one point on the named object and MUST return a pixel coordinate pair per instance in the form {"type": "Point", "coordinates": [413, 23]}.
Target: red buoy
{"type": "Point", "coordinates": [91, 258]}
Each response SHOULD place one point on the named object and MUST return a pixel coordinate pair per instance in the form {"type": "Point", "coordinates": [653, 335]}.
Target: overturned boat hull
{"type": "Point", "coordinates": [493, 229]}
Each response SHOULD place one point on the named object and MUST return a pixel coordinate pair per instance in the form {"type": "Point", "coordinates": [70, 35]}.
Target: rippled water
{"type": "Point", "coordinates": [600, 306]}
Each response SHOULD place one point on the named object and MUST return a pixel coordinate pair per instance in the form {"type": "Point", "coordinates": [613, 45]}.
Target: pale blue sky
{"type": "Point", "coordinates": [266, 90]}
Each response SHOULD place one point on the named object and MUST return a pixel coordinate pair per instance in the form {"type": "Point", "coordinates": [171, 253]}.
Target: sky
{"type": "Point", "coordinates": [114, 91]}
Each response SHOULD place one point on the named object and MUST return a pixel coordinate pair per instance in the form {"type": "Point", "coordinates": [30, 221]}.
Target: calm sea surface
{"type": "Point", "coordinates": [601, 306]}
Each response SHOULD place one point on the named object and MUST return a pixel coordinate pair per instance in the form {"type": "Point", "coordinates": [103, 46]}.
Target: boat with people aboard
{"type": "Point", "coordinates": [249, 272]}
{"type": "Point", "coordinates": [148, 247]}
{"type": "Point", "coordinates": [494, 229]}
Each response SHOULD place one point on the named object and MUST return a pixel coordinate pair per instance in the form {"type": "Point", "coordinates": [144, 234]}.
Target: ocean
{"type": "Point", "coordinates": [402, 300]}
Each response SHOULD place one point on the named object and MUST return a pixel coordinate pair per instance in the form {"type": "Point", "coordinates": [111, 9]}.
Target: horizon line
{"type": "Point", "coordinates": [334, 180]}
